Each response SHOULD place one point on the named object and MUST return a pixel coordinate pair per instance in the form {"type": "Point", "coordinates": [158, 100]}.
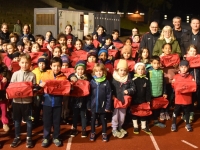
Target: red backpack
{"type": "Point", "coordinates": [141, 110]}
{"type": "Point", "coordinates": [113, 52]}
{"type": "Point", "coordinates": [194, 61]}
{"type": "Point", "coordinates": [78, 55]}
{"type": "Point", "coordinates": [159, 102]}
{"type": "Point", "coordinates": [15, 66]}
{"type": "Point", "coordinates": [170, 60]}
{"type": "Point", "coordinates": [80, 88]}
{"type": "Point", "coordinates": [118, 45]}
{"type": "Point", "coordinates": [35, 56]}
{"type": "Point", "coordinates": [118, 103]}
{"type": "Point", "coordinates": [67, 71]}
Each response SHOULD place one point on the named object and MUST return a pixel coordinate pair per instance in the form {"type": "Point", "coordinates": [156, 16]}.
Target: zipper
{"type": "Point", "coordinates": [97, 97]}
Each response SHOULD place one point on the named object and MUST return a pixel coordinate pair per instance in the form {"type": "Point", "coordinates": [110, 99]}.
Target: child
{"type": "Point", "coordinates": [56, 52]}
{"type": "Point", "coordinates": [92, 57]}
{"type": "Point", "coordinates": [15, 56]}
{"type": "Point", "coordinates": [8, 59]}
{"type": "Point", "coordinates": [1, 43]}
{"type": "Point", "coordinates": [3, 102]}
{"type": "Point", "coordinates": [115, 36]}
{"type": "Point", "coordinates": [95, 42]}
{"type": "Point", "coordinates": [14, 38]}
{"type": "Point", "coordinates": [39, 39]}
{"type": "Point", "coordinates": [122, 85]}
{"type": "Point", "coordinates": [51, 45]}
{"type": "Point", "coordinates": [52, 105]}
{"type": "Point", "coordinates": [48, 35]}
{"type": "Point", "coordinates": [65, 61]}
{"type": "Point", "coordinates": [142, 95]}
{"type": "Point", "coordinates": [182, 100]}
{"type": "Point", "coordinates": [78, 45]}
{"type": "Point", "coordinates": [108, 44]}
{"type": "Point", "coordinates": [78, 104]}
{"type": "Point", "coordinates": [61, 39]}
{"type": "Point", "coordinates": [99, 105]}
{"type": "Point", "coordinates": [65, 51]}
{"type": "Point", "coordinates": [4, 47]}
{"type": "Point", "coordinates": [27, 47]}
{"type": "Point", "coordinates": [144, 58]}
{"type": "Point", "coordinates": [128, 41]}
{"type": "Point", "coordinates": [22, 107]}
{"type": "Point", "coordinates": [69, 42]}
{"type": "Point", "coordinates": [101, 35]}
{"type": "Point", "coordinates": [136, 43]}
{"type": "Point", "coordinates": [20, 46]}
{"type": "Point", "coordinates": [126, 52]}
{"type": "Point", "coordinates": [35, 47]}
{"type": "Point", "coordinates": [88, 44]}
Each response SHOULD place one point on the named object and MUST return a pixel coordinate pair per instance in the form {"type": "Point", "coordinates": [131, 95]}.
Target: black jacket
{"type": "Point", "coordinates": [5, 36]}
{"type": "Point", "coordinates": [178, 34]}
{"type": "Point", "coordinates": [29, 36]}
{"type": "Point", "coordinates": [195, 72]}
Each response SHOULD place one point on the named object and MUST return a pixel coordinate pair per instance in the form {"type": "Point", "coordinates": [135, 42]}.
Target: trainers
{"type": "Point", "coordinates": [45, 143]}
{"type": "Point", "coordinates": [167, 117]}
{"type": "Point", "coordinates": [57, 142]}
{"type": "Point", "coordinates": [146, 130]}
{"type": "Point", "coordinates": [162, 116]}
{"type": "Point", "coordinates": [118, 134]}
{"type": "Point", "coordinates": [191, 116]}
{"type": "Point", "coordinates": [173, 127]}
{"type": "Point", "coordinates": [123, 131]}
{"type": "Point", "coordinates": [104, 137]}
{"type": "Point", "coordinates": [29, 142]}
{"type": "Point", "coordinates": [136, 131]}
{"type": "Point", "coordinates": [188, 127]}
{"type": "Point", "coordinates": [6, 128]}
{"type": "Point", "coordinates": [92, 137]}
{"type": "Point", "coordinates": [15, 142]}
{"type": "Point", "coordinates": [160, 125]}
{"type": "Point", "coordinates": [73, 132]}
{"type": "Point", "coordinates": [83, 134]}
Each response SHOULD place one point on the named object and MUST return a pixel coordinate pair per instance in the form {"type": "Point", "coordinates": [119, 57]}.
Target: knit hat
{"type": "Point", "coordinates": [139, 64]}
{"type": "Point", "coordinates": [103, 50]}
{"type": "Point", "coordinates": [43, 58]}
{"type": "Point", "coordinates": [80, 63]}
{"type": "Point", "coordinates": [20, 43]}
{"type": "Point", "coordinates": [122, 64]}
{"type": "Point", "coordinates": [184, 63]}
{"type": "Point", "coordinates": [52, 39]}
{"type": "Point", "coordinates": [15, 54]}
{"type": "Point", "coordinates": [65, 59]}
{"type": "Point", "coordinates": [92, 53]}
{"type": "Point", "coordinates": [126, 49]}
{"type": "Point", "coordinates": [69, 36]}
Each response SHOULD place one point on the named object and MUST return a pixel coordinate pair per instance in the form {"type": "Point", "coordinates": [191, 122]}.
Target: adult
{"type": "Point", "coordinates": [135, 31]}
{"type": "Point", "coordinates": [4, 34]}
{"type": "Point", "coordinates": [149, 39]}
{"type": "Point", "coordinates": [191, 37]}
{"type": "Point", "coordinates": [68, 31]}
{"type": "Point", "coordinates": [166, 36]}
{"type": "Point", "coordinates": [177, 29]}
{"type": "Point", "coordinates": [27, 33]}
{"type": "Point", "coordinates": [18, 27]}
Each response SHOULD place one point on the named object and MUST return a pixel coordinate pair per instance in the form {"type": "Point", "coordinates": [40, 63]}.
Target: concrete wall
{"type": "Point", "coordinates": [53, 3]}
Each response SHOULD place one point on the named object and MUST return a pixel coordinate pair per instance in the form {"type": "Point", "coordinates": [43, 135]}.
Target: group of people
{"type": "Point", "coordinates": [136, 80]}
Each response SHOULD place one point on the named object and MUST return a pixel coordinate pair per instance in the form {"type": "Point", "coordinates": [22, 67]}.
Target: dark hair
{"type": "Point", "coordinates": [27, 26]}
{"type": "Point", "coordinates": [167, 44]}
{"type": "Point", "coordinates": [155, 58]}
{"type": "Point", "coordinates": [39, 36]}
{"type": "Point", "coordinates": [136, 29]}
{"type": "Point", "coordinates": [128, 39]}
{"type": "Point", "coordinates": [137, 35]}
{"type": "Point", "coordinates": [191, 46]}
{"type": "Point", "coordinates": [88, 37]}
{"type": "Point", "coordinates": [141, 51]}
{"type": "Point", "coordinates": [79, 41]}
{"type": "Point", "coordinates": [99, 26]}
{"type": "Point", "coordinates": [194, 18]}
{"type": "Point", "coordinates": [115, 30]}
{"type": "Point", "coordinates": [61, 35]}
{"type": "Point", "coordinates": [68, 25]}
{"type": "Point", "coordinates": [55, 60]}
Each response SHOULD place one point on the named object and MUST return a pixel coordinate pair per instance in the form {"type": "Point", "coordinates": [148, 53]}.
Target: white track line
{"type": "Point", "coordinates": [69, 143]}
{"type": "Point", "coordinates": [189, 144]}
{"type": "Point", "coordinates": [154, 142]}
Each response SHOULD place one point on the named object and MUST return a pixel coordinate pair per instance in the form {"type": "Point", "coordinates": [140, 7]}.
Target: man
{"type": "Point", "coordinates": [149, 39]}
{"type": "Point", "coordinates": [178, 30]}
{"type": "Point", "coordinates": [191, 37]}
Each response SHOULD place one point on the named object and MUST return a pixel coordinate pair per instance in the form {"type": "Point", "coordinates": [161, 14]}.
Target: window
{"type": "Point", "coordinates": [45, 19]}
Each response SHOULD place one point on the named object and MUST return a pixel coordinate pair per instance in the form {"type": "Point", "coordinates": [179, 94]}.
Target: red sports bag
{"type": "Point", "coordinates": [113, 52]}
{"type": "Point", "coordinates": [19, 90]}
{"type": "Point", "coordinates": [194, 61]}
{"type": "Point", "coordinates": [159, 102]}
{"type": "Point", "coordinates": [96, 43]}
{"type": "Point", "coordinates": [15, 66]}
{"type": "Point", "coordinates": [68, 71]}
{"type": "Point", "coordinates": [185, 86]}
{"type": "Point", "coordinates": [118, 45]}
{"type": "Point", "coordinates": [57, 87]}
{"type": "Point", "coordinates": [170, 60]}
{"type": "Point", "coordinates": [141, 110]}
{"type": "Point", "coordinates": [78, 55]}
{"type": "Point", "coordinates": [35, 56]}
{"type": "Point", "coordinates": [80, 88]}
{"type": "Point", "coordinates": [118, 103]}
{"type": "Point", "coordinates": [90, 67]}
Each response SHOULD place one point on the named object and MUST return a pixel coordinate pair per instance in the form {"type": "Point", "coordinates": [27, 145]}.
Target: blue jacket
{"type": "Point", "coordinates": [52, 100]}
{"type": "Point", "coordinates": [100, 96]}
{"type": "Point", "coordinates": [87, 48]}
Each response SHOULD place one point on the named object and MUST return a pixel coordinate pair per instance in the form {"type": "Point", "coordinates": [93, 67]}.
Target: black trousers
{"type": "Point", "coordinates": [51, 117]}
{"type": "Point", "coordinates": [102, 116]}
{"type": "Point", "coordinates": [186, 110]}
{"type": "Point", "coordinates": [82, 112]}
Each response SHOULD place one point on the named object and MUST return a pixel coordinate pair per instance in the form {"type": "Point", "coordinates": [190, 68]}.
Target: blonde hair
{"type": "Point", "coordinates": [25, 56]}
{"type": "Point", "coordinates": [101, 67]}
{"type": "Point", "coordinates": [168, 28]}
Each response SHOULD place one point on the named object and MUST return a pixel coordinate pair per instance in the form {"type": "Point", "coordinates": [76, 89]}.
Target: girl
{"type": "Point", "coordinates": [122, 86]}
{"type": "Point", "coordinates": [78, 104]}
{"type": "Point", "coordinates": [35, 48]}
{"type": "Point", "coordinates": [128, 41]}
{"type": "Point", "coordinates": [144, 58]}
{"type": "Point", "coordinates": [27, 47]}
{"type": "Point", "coordinates": [78, 45]}
{"type": "Point", "coordinates": [126, 53]}
{"type": "Point", "coordinates": [10, 50]}
{"type": "Point", "coordinates": [99, 105]}
{"type": "Point", "coordinates": [56, 52]}
{"type": "Point", "coordinates": [92, 57]}
{"type": "Point", "coordinates": [65, 51]}
{"type": "Point", "coordinates": [61, 39]}
{"type": "Point", "coordinates": [101, 35]}
{"type": "Point", "coordinates": [14, 37]}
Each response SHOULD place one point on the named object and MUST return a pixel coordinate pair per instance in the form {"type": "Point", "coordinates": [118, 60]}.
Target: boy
{"type": "Point", "coordinates": [158, 87]}
{"type": "Point", "coordinates": [20, 46]}
{"type": "Point", "coordinates": [52, 43]}
{"type": "Point", "coordinates": [52, 105]}
{"type": "Point", "coordinates": [22, 107]}
{"type": "Point", "coordinates": [14, 37]}
{"type": "Point", "coordinates": [39, 39]}
{"type": "Point", "coordinates": [115, 36]}
{"type": "Point", "coordinates": [108, 45]}
{"type": "Point", "coordinates": [88, 44]}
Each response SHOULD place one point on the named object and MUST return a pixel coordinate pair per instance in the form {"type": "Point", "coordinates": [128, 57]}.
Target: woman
{"type": "Point", "coordinates": [18, 27]}
{"type": "Point", "coordinates": [166, 36]}
{"type": "Point", "coordinates": [135, 31]}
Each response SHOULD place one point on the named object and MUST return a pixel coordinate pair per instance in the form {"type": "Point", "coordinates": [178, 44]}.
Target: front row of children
{"type": "Point", "coordinates": [122, 87]}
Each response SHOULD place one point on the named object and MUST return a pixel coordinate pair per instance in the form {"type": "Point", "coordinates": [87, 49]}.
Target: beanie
{"type": "Point", "coordinates": [92, 53]}
{"type": "Point", "coordinates": [103, 50]}
{"type": "Point", "coordinates": [69, 36]}
{"type": "Point", "coordinates": [122, 64]}
{"type": "Point", "coordinates": [126, 49]}
{"type": "Point", "coordinates": [42, 58]}
{"type": "Point", "coordinates": [184, 63]}
{"type": "Point", "coordinates": [65, 59]}
{"type": "Point", "coordinates": [80, 63]}
{"type": "Point", "coordinates": [139, 64]}
{"type": "Point", "coordinates": [20, 43]}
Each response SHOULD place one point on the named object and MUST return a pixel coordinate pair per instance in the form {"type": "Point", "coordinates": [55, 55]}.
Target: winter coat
{"type": "Point", "coordinates": [195, 72]}
{"type": "Point", "coordinates": [5, 36]}
{"type": "Point", "coordinates": [30, 37]}
{"type": "Point", "coordinates": [38, 74]}
{"type": "Point", "coordinates": [87, 48]}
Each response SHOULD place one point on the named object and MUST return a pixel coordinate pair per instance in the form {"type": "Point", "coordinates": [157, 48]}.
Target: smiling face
{"type": "Point", "coordinates": [56, 67]}
{"type": "Point", "coordinates": [167, 49]}
{"type": "Point", "coordinates": [122, 72]}
{"type": "Point", "coordinates": [140, 70]}
{"type": "Point", "coordinates": [4, 29]}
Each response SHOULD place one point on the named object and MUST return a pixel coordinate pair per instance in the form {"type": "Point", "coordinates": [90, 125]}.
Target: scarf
{"type": "Point", "coordinates": [118, 78]}
{"type": "Point", "coordinates": [139, 76]}
{"type": "Point", "coordinates": [101, 79]}
{"type": "Point", "coordinates": [168, 40]}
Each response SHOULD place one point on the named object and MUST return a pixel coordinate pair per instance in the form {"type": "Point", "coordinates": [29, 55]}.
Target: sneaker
{"type": "Point", "coordinates": [15, 142]}
{"type": "Point", "coordinates": [6, 128]}
{"type": "Point", "coordinates": [104, 137]}
{"type": "Point", "coordinates": [29, 142]}
{"type": "Point", "coordinates": [173, 127]}
{"type": "Point", "coordinates": [167, 117]}
{"type": "Point", "coordinates": [160, 125]}
{"type": "Point", "coordinates": [136, 131]}
{"type": "Point", "coordinates": [45, 143]}
{"type": "Point", "coordinates": [123, 131]}
{"type": "Point", "coordinates": [92, 137]}
{"type": "Point", "coordinates": [188, 127]}
{"type": "Point", "coordinates": [162, 116]}
{"type": "Point", "coordinates": [118, 134]}
{"type": "Point", "coordinates": [191, 116]}
{"type": "Point", "coordinates": [73, 132]}
{"type": "Point", "coordinates": [83, 134]}
{"type": "Point", "coordinates": [146, 130]}
{"type": "Point", "coordinates": [57, 142]}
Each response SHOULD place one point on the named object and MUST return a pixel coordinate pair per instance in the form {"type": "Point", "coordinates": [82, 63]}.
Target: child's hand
{"type": "Point", "coordinates": [110, 57]}
{"type": "Point", "coordinates": [107, 110]}
{"type": "Point", "coordinates": [4, 80]}
{"type": "Point", "coordinates": [125, 92]}
{"type": "Point", "coordinates": [165, 95]}
{"type": "Point", "coordinates": [42, 84]}
{"type": "Point", "coordinates": [73, 79]}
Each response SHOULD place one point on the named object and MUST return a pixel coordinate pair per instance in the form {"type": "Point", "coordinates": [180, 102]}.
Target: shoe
{"type": "Point", "coordinates": [183, 117]}
{"type": "Point", "coordinates": [92, 137]}
{"type": "Point", "coordinates": [136, 131]}
{"type": "Point", "coordinates": [104, 137]}
{"type": "Point", "coordinates": [29, 142]}
{"type": "Point", "coordinates": [162, 116]}
{"type": "Point", "coordinates": [188, 127]}
{"type": "Point", "coordinates": [191, 116]}
{"type": "Point", "coordinates": [83, 134]}
{"type": "Point", "coordinates": [167, 117]}
{"type": "Point", "coordinates": [123, 131]}
{"type": "Point", "coordinates": [73, 132]}
{"type": "Point", "coordinates": [45, 143]}
{"type": "Point", "coordinates": [173, 127]}
{"type": "Point", "coordinates": [118, 134]}
{"type": "Point", "coordinates": [57, 142]}
{"type": "Point", "coordinates": [146, 130]}
{"type": "Point", "coordinates": [160, 125]}
{"type": "Point", "coordinates": [6, 128]}
{"type": "Point", "coordinates": [15, 142]}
